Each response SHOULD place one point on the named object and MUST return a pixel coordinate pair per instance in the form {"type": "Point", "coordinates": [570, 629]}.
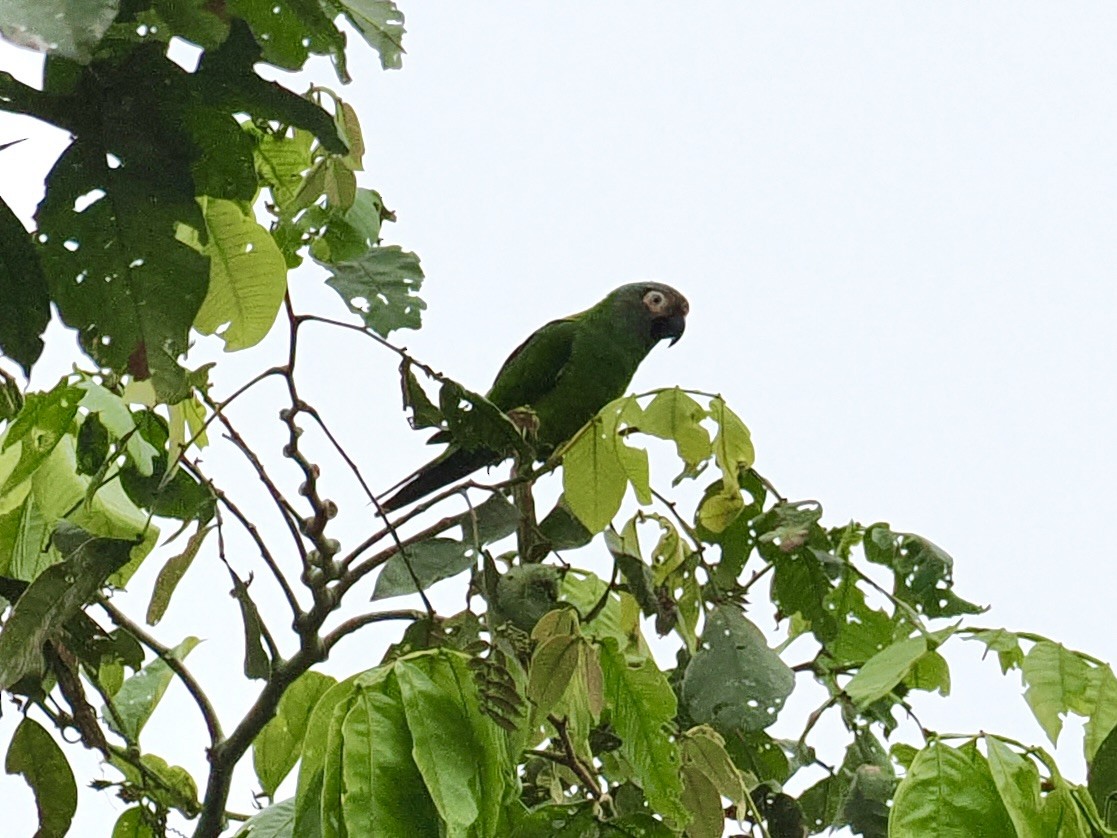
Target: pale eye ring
{"type": "Point", "coordinates": [654, 300]}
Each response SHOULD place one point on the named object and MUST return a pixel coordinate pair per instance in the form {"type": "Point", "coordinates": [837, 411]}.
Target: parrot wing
{"type": "Point", "coordinates": [535, 366]}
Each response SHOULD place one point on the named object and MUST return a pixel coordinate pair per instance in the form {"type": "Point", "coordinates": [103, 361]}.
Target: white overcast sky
{"type": "Point", "coordinates": [895, 224]}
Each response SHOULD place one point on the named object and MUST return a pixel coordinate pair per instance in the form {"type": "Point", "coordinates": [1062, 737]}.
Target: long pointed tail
{"type": "Point", "coordinates": [453, 465]}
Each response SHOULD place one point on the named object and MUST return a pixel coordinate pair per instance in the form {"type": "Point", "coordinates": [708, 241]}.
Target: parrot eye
{"type": "Point", "coordinates": [654, 300]}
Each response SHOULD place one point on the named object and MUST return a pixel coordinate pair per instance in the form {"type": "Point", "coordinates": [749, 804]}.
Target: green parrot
{"type": "Point", "coordinates": [565, 373]}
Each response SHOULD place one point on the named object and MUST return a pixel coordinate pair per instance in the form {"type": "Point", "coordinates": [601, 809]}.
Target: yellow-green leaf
{"type": "Point", "coordinates": [247, 277]}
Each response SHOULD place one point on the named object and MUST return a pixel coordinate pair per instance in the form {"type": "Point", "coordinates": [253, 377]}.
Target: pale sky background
{"type": "Point", "coordinates": [895, 224]}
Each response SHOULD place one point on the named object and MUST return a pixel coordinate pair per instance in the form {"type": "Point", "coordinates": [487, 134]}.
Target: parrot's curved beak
{"type": "Point", "coordinates": [669, 327]}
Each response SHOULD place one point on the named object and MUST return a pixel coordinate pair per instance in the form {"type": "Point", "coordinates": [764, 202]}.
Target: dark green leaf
{"type": "Point", "coordinates": [563, 530]}
{"type": "Point", "coordinates": [71, 28]}
{"type": "Point", "coordinates": [257, 664]}
{"type": "Point", "coordinates": [278, 745]}
{"type": "Point", "coordinates": [760, 755]}
{"type": "Point", "coordinates": [423, 412]}
{"type": "Point", "coordinates": [1103, 779]}
{"type": "Point", "coordinates": [476, 423]}
{"type": "Point", "coordinates": [702, 801]}
{"type": "Point", "coordinates": [171, 575]}
{"type": "Point", "coordinates": [34, 754]}
{"type": "Point", "coordinates": [92, 445]}
{"type": "Point", "coordinates": [494, 519]}
{"type": "Point", "coordinates": [735, 682]}
{"type": "Point", "coordinates": [11, 397]}
{"type": "Point", "coordinates": [26, 310]}
{"type": "Point", "coordinates": [55, 596]}
{"type": "Point", "coordinates": [867, 802]}
{"type": "Point", "coordinates": [344, 235]}
{"type": "Point", "coordinates": [923, 571]}
{"type": "Point", "coordinates": [428, 562]}
{"type": "Point", "coordinates": [290, 31]}
{"type": "Point", "coordinates": [382, 287]}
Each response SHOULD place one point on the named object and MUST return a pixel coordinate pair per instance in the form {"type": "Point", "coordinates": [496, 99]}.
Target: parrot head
{"type": "Point", "coordinates": [660, 308]}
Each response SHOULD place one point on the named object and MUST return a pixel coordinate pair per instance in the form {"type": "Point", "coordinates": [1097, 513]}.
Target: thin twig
{"type": "Point", "coordinates": [253, 533]}
{"type": "Point", "coordinates": [573, 762]}
{"type": "Point", "coordinates": [213, 724]}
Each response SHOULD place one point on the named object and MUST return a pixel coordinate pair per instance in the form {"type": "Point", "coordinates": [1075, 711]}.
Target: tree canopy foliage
{"type": "Point", "coordinates": [182, 202]}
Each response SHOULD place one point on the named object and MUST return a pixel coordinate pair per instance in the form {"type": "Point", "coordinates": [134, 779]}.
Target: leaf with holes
{"type": "Point", "coordinates": [247, 277]}
{"type": "Point", "coordinates": [381, 24]}
{"type": "Point", "coordinates": [735, 683]}
{"type": "Point", "coordinates": [382, 287]}
{"type": "Point", "coordinates": [55, 596]}
{"type": "Point", "coordinates": [430, 561]}
{"type": "Point", "coordinates": [70, 28]}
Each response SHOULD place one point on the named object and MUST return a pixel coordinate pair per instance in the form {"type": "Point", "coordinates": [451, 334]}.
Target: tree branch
{"type": "Point", "coordinates": [213, 724]}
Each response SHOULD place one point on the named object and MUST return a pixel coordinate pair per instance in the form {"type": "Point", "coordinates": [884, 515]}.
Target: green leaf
{"type": "Point", "coordinates": [1102, 717]}
{"type": "Point", "coordinates": [923, 571]}
{"type": "Point", "coordinates": [675, 416]}
{"type": "Point", "coordinates": [593, 478]}
{"type": "Point", "coordinates": [1004, 643]}
{"type": "Point", "coordinates": [117, 272]}
{"type": "Point", "coordinates": [290, 31]}
{"type": "Point", "coordinates": [226, 77]}
{"type": "Point", "coordinates": [276, 821]}
{"type": "Point", "coordinates": [382, 288]}
{"type": "Point", "coordinates": [349, 234]}
{"type": "Point", "coordinates": [493, 520]}
{"type": "Point", "coordinates": [1058, 681]}
{"type": "Point", "coordinates": [315, 751]}
{"type": "Point", "coordinates": [278, 745]}
{"type": "Point", "coordinates": [70, 28]}
{"type": "Point", "coordinates": [171, 574]}
{"type": "Point", "coordinates": [92, 445]}
{"type": "Point", "coordinates": [131, 824]}
{"type": "Point", "coordinates": [704, 749]}
{"type": "Point", "coordinates": [642, 711]}
{"type": "Point", "coordinates": [1017, 781]}
{"type": "Point", "coordinates": [23, 287]}
{"type": "Point", "coordinates": [138, 696]}
{"type": "Point", "coordinates": [866, 807]}
{"type": "Point", "coordinates": [424, 414]}
{"type": "Point", "coordinates": [701, 799]}
{"type": "Point", "coordinates": [948, 791]}
{"type": "Point", "coordinates": [56, 595]}
{"type": "Point", "coordinates": [562, 530]}
{"type": "Point", "coordinates": [430, 561]}
{"type": "Point", "coordinates": [39, 427]}
{"type": "Point", "coordinates": [735, 682]}
{"type": "Point", "coordinates": [553, 665]}
{"type": "Point", "coordinates": [29, 555]}
{"type": "Point", "coordinates": [247, 278]}
{"type": "Point", "coordinates": [381, 24]}
{"type": "Point", "coordinates": [625, 549]}
{"type": "Point", "coordinates": [34, 754]}
{"type": "Point", "coordinates": [733, 444]}
{"type": "Point", "coordinates": [883, 671]}
{"type": "Point", "coordinates": [257, 664]}
{"type": "Point", "coordinates": [458, 749]}
{"type": "Point", "coordinates": [281, 161]}
{"type": "Point", "coordinates": [525, 593]}
{"type": "Point", "coordinates": [860, 631]}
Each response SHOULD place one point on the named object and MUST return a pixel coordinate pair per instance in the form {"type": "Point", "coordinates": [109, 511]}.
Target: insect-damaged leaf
{"type": "Point", "coordinates": [381, 287]}
{"type": "Point", "coordinates": [55, 596]}
{"type": "Point", "coordinates": [734, 682]}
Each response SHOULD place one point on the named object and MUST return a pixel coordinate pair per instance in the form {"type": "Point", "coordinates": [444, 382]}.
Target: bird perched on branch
{"type": "Point", "coordinates": [565, 373]}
